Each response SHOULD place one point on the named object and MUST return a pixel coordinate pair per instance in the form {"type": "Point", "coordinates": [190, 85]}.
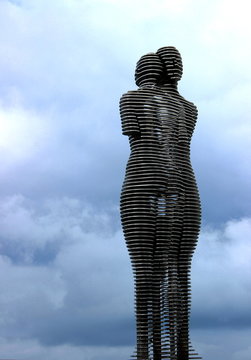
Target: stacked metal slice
{"type": "Point", "coordinates": [160, 206]}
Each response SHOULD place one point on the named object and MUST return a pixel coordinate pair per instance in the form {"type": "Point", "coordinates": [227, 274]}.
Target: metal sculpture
{"type": "Point", "coordinates": [160, 206]}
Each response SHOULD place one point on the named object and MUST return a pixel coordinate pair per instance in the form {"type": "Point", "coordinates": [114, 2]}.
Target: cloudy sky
{"type": "Point", "coordinates": [65, 278]}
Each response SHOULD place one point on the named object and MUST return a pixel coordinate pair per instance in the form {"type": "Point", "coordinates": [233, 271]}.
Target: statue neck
{"type": "Point", "coordinates": [170, 87]}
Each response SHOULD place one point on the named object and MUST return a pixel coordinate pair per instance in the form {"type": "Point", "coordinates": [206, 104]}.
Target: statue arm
{"type": "Point", "coordinates": [130, 125]}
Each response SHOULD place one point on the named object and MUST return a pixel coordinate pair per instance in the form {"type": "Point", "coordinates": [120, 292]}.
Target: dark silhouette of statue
{"type": "Point", "coordinates": [160, 206]}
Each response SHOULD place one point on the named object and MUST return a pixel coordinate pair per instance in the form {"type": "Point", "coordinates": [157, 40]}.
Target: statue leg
{"type": "Point", "coordinates": [175, 205]}
{"type": "Point", "coordinates": [138, 221]}
{"type": "Point", "coordinates": [157, 299]}
{"type": "Point", "coordinates": [191, 226]}
{"type": "Point", "coordinates": [159, 269]}
{"type": "Point", "coordinates": [165, 273]}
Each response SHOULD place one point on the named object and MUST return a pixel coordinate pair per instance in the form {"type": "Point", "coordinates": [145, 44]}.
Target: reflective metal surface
{"type": "Point", "coordinates": [160, 206]}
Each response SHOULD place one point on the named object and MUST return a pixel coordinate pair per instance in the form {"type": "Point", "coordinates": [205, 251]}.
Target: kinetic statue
{"type": "Point", "coordinates": [160, 206]}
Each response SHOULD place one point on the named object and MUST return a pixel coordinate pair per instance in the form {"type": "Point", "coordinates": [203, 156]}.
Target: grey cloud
{"type": "Point", "coordinates": [63, 259]}
{"type": "Point", "coordinates": [32, 350]}
{"type": "Point", "coordinates": [40, 232]}
{"type": "Point", "coordinates": [220, 151]}
{"type": "Point", "coordinates": [220, 277]}
{"type": "Point", "coordinates": [84, 294]}
{"type": "Point", "coordinates": [223, 343]}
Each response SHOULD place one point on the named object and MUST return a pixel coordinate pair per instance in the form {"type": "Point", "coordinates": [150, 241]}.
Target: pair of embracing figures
{"type": "Point", "coordinates": [160, 206]}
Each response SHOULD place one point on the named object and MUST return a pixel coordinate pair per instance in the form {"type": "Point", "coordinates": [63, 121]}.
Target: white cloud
{"type": "Point", "coordinates": [230, 19]}
{"type": "Point", "coordinates": [22, 133]}
{"type": "Point", "coordinates": [65, 67]}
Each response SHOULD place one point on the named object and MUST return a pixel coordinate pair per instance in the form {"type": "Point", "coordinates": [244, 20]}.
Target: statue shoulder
{"type": "Point", "coordinates": [129, 95]}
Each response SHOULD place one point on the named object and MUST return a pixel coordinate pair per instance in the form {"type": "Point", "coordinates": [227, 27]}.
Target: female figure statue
{"type": "Point", "coordinates": [160, 208]}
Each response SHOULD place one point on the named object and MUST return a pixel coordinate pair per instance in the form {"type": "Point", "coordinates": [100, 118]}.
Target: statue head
{"type": "Point", "coordinates": [172, 62]}
{"type": "Point", "coordinates": [149, 70]}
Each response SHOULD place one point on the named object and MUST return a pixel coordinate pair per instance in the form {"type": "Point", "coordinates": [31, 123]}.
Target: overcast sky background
{"type": "Point", "coordinates": [65, 277]}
